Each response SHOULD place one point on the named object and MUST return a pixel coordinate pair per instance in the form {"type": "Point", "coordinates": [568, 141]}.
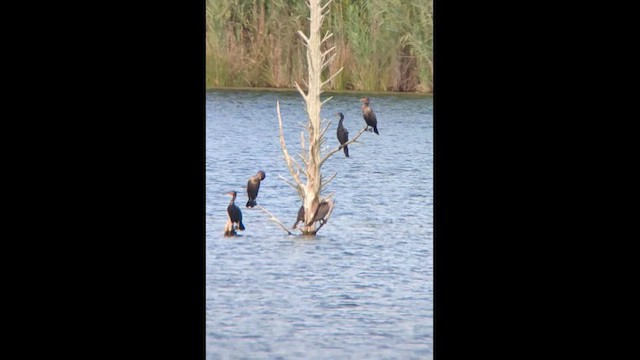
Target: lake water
{"type": "Point", "coordinates": [363, 287]}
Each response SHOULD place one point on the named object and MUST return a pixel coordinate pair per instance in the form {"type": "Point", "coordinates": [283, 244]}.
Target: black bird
{"type": "Point", "coordinates": [368, 115]}
{"type": "Point", "coordinates": [235, 215]}
{"type": "Point", "coordinates": [252, 188]}
{"type": "Point", "coordinates": [300, 217]}
{"type": "Point", "coordinates": [323, 209]}
{"type": "Point", "coordinates": [343, 135]}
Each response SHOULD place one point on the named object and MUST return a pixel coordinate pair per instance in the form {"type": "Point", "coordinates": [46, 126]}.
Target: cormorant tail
{"type": "Point", "coordinates": [240, 226]}
{"type": "Point", "coordinates": [375, 129]}
{"type": "Point", "coordinates": [346, 151]}
{"type": "Point", "coordinates": [251, 203]}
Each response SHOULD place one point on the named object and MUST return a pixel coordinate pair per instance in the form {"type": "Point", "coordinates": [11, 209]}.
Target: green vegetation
{"type": "Point", "coordinates": [383, 45]}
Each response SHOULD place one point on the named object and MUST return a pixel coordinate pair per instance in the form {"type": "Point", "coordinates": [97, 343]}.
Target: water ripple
{"type": "Point", "coordinates": [361, 289]}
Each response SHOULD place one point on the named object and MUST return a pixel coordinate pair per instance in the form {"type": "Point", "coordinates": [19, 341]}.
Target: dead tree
{"type": "Point", "coordinates": [310, 156]}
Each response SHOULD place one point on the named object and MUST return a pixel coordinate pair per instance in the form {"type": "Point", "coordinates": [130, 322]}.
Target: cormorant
{"type": "Point", "coordinates": [368, 115]}
{"type": "Point", "coordinates": [235, 215]}
{"type": "Point", "coordinates": [343, 135]}
{"type": "Point", "coordinates": [300, 216]}
{"type": "Point", "coordinates": [252, 188]}
{"type": "Point", "coordinates": [323, 209]}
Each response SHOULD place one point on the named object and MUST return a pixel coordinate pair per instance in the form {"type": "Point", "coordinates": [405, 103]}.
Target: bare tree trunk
{"type": "Point", "coordinates": [313, 160]}
{"type": "Point", "coordinates": [314, 62]}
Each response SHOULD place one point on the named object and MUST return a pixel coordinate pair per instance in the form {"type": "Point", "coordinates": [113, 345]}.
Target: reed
{"type": "Point", "coordinates": [383, 45]}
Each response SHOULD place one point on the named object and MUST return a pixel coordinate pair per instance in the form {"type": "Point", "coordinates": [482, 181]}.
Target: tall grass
{"type": "Point", "coordinates": [383, 45]}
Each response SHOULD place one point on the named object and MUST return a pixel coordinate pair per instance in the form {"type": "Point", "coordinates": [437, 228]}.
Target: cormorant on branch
{"type": "Point", "coordinates": [369, 115]}
{"type": "Point", "coordinates": [252, 188]}
{"type": "Point", "coordinates": [343, 135]}
{"type": "Point", "coordinates": [323, 209]}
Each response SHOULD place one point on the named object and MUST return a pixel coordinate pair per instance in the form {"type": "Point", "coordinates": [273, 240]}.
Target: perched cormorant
{"type": "Point", "coordinates": [323, 209]}
{"type": "Point", "coordinates": [368, 115]}
{"type": "Point", "coordinates": [235, 215]}
{"type": "Point", "coordinates": [252, 188]}
{"type": "Point", "coordinates": [343, 135]}
{"type": "Point", "coordinates": [300, 217]}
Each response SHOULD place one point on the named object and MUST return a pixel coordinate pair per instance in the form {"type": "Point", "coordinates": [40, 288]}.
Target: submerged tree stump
{"type": "Point", "coordinates": [310, 153]}
{"type": "Point", "coordinates": [229, 229]}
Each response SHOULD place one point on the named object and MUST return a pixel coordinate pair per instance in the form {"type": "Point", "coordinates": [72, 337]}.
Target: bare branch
{"type": "Point", "coordinates": [298, 167]}
{"type": "Point", "coordinates": [300, 90]}
{"type": "Point", "coordinates": [304, 37]}
{"type": "Point", "coordinates": [325, 5]}
{"type": "Point", "coordinates": [325, 130]}
{"type": "Point", "coordinates": [326, 37]}
{"type": "Point", "coordinates": [324, 64]}
{"type": "Point", "coordinates": [328, 51]}
{"type": "Point", "coordinates": [288, 182]}
{"type": "Point", "coordinates": [274, 219]}
{"type": "Point", "coordinates": [332, 76]}
{"type": "Point", "coordinates": [329, 98]}
{"type": "Point", "coordinates": [326, 182]}
{"type": "Point", "coordinates": [341, 146]}
{"type": "Point", "coordinates": [330, 195]}
{"type": "Point", "coordinates": [287, 158]}
{"type": "Point", "coordinates": [294, 186]}
{"type": "Point", "coordinates": [300, 170]}
{"type": "Point", "coordinates": [306, 163]}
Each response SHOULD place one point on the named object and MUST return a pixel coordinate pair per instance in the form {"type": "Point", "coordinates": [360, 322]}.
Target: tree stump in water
{"type": "Point", "coordinates": [229, 230]}
{"type": "Point", "coordinates": [310, 149]}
